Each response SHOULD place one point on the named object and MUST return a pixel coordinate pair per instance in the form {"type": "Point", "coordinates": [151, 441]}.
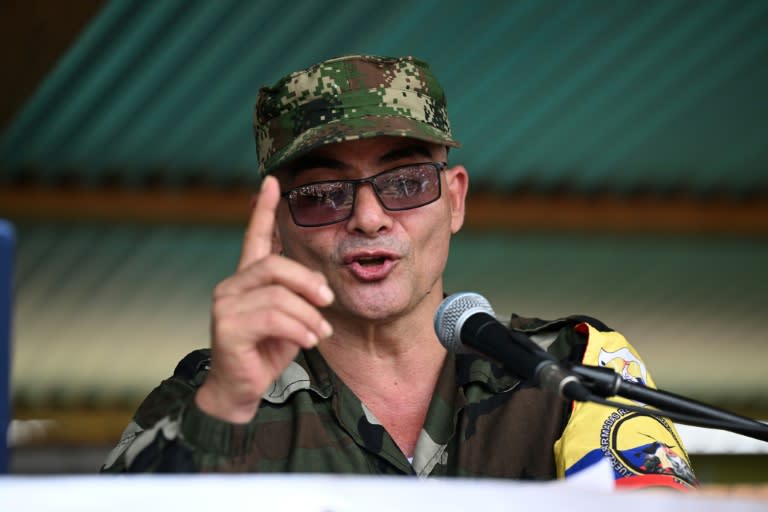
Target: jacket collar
{"type": "Point", "coordinates": [309, 371]}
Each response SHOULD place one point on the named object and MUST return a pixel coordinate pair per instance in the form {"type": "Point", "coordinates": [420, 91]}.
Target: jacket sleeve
{"type": "Point", "coordinates": [169, 434]}
{"type": "Point", "coordinates": [643, 450]}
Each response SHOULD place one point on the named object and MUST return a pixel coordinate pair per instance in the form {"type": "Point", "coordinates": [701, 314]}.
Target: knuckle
{"type": "Point", "coordinates": [220, 290]}
{"type": "Point", "coordinates": [280, 295]}
{"type": "Point", "coordinates": [223, 326]}
{"type": "Point", "coordinates": [271, 262]}
{"type": "Point", "coordinates": [220, 306]}
{"type": "Point", "coordinates": [270, 319]}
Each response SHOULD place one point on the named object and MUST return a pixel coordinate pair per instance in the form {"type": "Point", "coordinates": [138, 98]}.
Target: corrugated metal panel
{"type": "Point", "coordinates": [591, 95]}
{"type": "Point", "coordinates": [104, 312]}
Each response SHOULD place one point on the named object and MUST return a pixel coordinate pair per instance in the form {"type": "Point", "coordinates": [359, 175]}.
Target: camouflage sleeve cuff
{"type": "Point", "coordinates": [212, 435]}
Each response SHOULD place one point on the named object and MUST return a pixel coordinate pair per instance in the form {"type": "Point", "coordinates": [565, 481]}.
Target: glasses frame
{"type": "Point", "coordinates": [438, 166]}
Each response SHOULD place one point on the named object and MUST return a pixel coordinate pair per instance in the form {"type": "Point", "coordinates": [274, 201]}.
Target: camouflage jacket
{"type": "Point", "coordinates": [481, 422]}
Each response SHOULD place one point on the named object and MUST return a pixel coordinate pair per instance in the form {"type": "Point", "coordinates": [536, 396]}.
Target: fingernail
{"type": "Point", "coordinates": [326, 294]}
{"type": "Point", "coordinates": [326, 328]}
{"type": "Point", "coordinates": [312, 338]}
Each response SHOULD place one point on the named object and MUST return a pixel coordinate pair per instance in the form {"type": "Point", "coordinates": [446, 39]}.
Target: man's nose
{"type": "Point", "coordinates": [368, 216]}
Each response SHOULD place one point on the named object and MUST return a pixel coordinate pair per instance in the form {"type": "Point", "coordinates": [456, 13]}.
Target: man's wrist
{"type": "Point", "coordinates": [214, 435]}
{"type": "Point", "coordinates": [218, 405]}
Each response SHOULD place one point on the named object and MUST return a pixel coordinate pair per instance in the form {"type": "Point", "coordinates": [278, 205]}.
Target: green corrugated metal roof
{"type": "Point", "coordinates": [593, 95]}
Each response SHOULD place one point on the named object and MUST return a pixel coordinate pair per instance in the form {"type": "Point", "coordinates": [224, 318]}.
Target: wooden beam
{"type": "Point", "coordinates": [152, 205]}
{"type": "Point", "coordinates": [613, 213]}
{"type": "Point", "coordinates": [514, 211]}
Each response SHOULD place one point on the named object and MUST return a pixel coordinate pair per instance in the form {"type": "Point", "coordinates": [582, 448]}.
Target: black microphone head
{"type": "Point", "coordinates": [453, 312]}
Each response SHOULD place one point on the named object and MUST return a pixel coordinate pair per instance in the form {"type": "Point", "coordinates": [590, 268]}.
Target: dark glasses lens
{"type": "Point", "coordinates": [321, 203]}
{"type": "Point", "coordinates": [408, 187]}
{"type": "Point", "coordinates": [328, 202]}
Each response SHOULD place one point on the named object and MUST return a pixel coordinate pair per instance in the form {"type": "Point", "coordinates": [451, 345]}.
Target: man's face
{"type": "Point", "coordinates": [380, 263]}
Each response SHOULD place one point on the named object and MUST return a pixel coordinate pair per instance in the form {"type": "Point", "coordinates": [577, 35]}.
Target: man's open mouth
{"type": "Point", "coordinates": [371, 266]}
{"type": "Point", "coordinates": [371, 261]}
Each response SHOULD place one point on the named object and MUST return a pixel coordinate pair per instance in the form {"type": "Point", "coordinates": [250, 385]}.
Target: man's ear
{"type": "Point", "coordinates": [457, 181]}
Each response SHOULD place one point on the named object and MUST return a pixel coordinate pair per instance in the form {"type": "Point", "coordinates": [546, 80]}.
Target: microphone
{"type": "Point", "coordinates": [465, 322]}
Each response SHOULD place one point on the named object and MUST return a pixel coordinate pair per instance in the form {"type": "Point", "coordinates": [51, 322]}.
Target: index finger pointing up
{"type": "Point", "coordinates": [257, 242]}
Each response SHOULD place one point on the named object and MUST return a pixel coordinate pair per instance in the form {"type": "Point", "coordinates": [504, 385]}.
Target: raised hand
{"type": "Point", "coordinates": [261, 316]}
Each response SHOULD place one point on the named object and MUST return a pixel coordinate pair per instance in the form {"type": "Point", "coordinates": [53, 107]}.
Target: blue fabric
{"type": "Point", "coordinates": [7, 239]}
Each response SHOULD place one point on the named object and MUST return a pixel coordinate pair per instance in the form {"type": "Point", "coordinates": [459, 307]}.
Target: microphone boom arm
{"type": "Point", "coordinates": [604, 382]}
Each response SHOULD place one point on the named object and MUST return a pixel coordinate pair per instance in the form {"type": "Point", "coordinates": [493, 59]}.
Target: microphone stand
{"type": "Point", "coordinates": [604, 382]}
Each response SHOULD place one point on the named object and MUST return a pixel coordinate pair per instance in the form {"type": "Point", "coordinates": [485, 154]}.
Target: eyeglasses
{"type": "Point", "coordinates": [327, 202]}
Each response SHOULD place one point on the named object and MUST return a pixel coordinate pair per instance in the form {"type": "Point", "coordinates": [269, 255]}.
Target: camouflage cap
{"type": "Point", "coordinates": [348, 98]}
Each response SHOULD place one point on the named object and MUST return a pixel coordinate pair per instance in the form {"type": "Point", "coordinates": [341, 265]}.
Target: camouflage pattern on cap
{"type": "Point", "coordinates": [349, 98]}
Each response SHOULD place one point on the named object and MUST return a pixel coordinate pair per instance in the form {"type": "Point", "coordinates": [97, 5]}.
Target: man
{"type": "Point", "coordinates": [323, 354]}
